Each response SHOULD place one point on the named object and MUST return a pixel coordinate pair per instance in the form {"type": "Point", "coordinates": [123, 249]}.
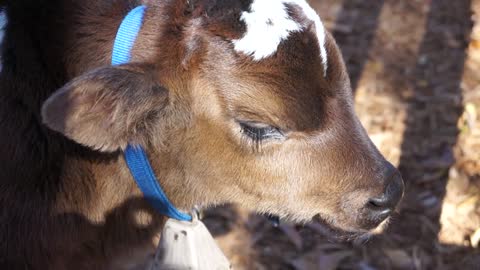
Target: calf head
{"type": "Point", "coordinates": [238, 101]}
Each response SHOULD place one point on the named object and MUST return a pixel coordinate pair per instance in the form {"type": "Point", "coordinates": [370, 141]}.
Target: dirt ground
{"type": "Point", "coordinates": [415, 70]}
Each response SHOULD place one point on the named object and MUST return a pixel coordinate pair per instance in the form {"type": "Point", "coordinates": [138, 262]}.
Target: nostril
{"type": "Point", "coordinates": [391, 196]}
{"type": "Point", "coordinates": [378, 203]}
{"type": "Point", "coordinates": [379, 209]}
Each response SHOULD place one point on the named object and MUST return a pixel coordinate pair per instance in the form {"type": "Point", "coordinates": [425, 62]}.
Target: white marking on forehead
{"type": "Point", "coordinates": [268, 24]}
{"type": "Point", "coordinates": [3, 22]}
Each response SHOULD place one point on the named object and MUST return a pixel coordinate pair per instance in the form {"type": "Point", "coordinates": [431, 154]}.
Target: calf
{"type": "Point", "coordinates": [243, 101]}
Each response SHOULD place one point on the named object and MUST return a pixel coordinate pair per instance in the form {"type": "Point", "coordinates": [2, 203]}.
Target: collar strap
{"type": "Point", "coordinates": [135, 156]}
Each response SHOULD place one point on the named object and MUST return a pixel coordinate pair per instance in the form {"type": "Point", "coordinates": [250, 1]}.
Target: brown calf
{"type": "Point", "coordinates": [243, 101]}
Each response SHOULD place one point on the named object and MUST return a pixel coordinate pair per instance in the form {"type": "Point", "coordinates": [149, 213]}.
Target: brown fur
{"type": "Point", "coordinates": [65, 205]}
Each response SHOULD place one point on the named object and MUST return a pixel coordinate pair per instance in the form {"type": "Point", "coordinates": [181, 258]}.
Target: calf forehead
{"type": "Point", "coordinates": [282, 56]}
{"type": "Point", "coordinates": [288, 87]}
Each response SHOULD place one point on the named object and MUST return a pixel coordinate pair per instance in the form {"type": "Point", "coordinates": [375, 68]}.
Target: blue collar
{"type": "Point", "coordinates": [135, 156]}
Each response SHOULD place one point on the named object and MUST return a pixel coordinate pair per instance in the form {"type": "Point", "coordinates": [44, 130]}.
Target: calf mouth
{"type": "Point", "coordinates": [332, 231]}
{"type": "Point", "coordinates": [335, 233]}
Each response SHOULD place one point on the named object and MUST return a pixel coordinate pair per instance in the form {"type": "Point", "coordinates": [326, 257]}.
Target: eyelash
{"type": "Point", "coordinates": [258, 134]}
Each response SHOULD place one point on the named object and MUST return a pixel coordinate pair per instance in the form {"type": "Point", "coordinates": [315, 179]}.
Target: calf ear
{"type": "Point", "coordinates": [107, 108]}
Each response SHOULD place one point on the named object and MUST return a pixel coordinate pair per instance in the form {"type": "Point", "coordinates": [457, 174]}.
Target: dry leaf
{"type": "Point", "coordinates": [475, 239]}
{"type": "Point", "coordinates": [471, 115]}
{"type": "Point", "coordinates": [293, 235]}
{"type": "Point", "coordinates": [399, 258]}
{"type": "Point", "coordinates": [331, 261]}
{"type": "Point", "coordinates": [320, 260]}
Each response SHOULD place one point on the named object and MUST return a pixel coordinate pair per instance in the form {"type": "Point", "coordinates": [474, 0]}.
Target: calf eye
{"type": "Point", "coordinates": [259, 132]}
